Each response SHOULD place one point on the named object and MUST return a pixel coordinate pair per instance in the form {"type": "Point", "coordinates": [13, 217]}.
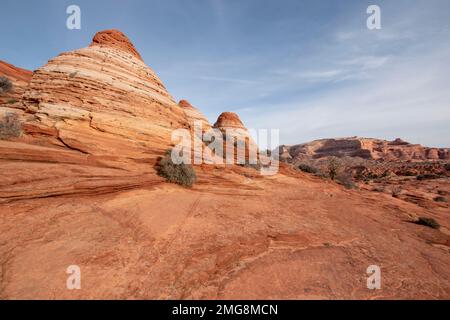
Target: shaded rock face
{"type": "Point", "coordinates": [373, 149]}
{"type": "Point", "coordinates": [20, 79]}
{"type": "Point", "coordinates": [97, 117]}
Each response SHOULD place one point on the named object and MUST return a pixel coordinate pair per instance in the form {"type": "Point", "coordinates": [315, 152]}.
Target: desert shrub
{"type": "Point", "coordinates": [346, 180]}
{"type": "Point", "coordinates": [320, 174]}
{"type": "Point", "coordinates": [307, 168]}
{"type": "Point", "coordinates": [428, 222]}
{"type": "Point", "coordinates": [182, 174]}
{"type": "Point", "coordinates": [10, 126]}
{"type": "Point", "coordinates": [257, 166]}
{"type": "Point", "coordinates": [427, 176]}
{"type": "Point", "coordinates": [5, 85]}
{"type": "Point", "coordinates": [11, 101]}
{"type": "Point", "coordinates": [396, 191]}
{"type": "Point", "coordinates": [447, 166]}
{"type": "Point", "coordinates": [378, 189]}
{"type": "Point", "coordinates": [333, 167]}
{"type": "Point", "coordinates": [440, 199]}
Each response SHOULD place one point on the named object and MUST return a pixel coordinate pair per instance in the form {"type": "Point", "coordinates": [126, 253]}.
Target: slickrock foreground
{"type": "Point", "coordinates": [79, 188]}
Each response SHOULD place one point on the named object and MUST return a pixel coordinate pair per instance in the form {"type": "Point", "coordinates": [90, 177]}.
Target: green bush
{"type": "Point", "coordinates": [10, 126]}
{"type": "Point", "coordinates": [346, 180]}
{"type": "Point", "coordinates": [182, 174]}
{"type": "Point", "coordinates": [307, 168]}
{"type": "Point", "coordinates": [333, 167]}
{"type": "Point", "coordinates": [428, 222]}
{"type": "Point", "coordinates": [427, 176]}
{"type": "Point", "coordinates": [5, 85]}
{"type": "Point", "coordinates": [447, 166]}
{"type": "Point", "coordinates": [440, 199]}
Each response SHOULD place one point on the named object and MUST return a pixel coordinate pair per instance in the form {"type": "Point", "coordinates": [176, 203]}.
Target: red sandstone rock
{"type": "Point", "coordinates": [193, 114]}
{"type": "Point", "coordinates": [15, 73]}
{"type": "Point", "coordinates": [229, 120]}
{"type": "Point", "coordinates": [20, 79]}
{"type": "Point", "coordinates": [101, 104]}
{"type": "Point", "coordinates": [115, 39]}
{"type": "Point", "coordinates": [79, 188]}
{"type": "Point", "coordinates": [368, 149]}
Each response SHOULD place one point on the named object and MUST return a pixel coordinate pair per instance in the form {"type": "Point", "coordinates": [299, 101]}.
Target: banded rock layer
{"type": "Point", "coordinates": [96, 119]}
{"type": "Point", "coordinates": [19, 78]}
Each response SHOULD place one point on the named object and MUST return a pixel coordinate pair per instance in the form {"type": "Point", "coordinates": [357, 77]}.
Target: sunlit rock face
{"type": "Point", "coordinates": [99, 106]}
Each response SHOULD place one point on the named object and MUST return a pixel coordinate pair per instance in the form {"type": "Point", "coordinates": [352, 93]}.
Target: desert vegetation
{"type": "Point", "coordinates": [440, 199]}
{"type": "Point", "coordinates": [10, 126]}
{"type": "Point", "coordinates": [5, 85]}
{"type": "Point", "coordinates": [428, 222]}
{"type": "Point", "coordinates": [182, 174]}
{"type": "Point", "coordinates": [307, 168]}
{"type": "Point", "coordinates": [333, 167]}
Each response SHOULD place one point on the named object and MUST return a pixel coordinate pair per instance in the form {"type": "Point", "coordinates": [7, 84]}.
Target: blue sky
{"type": "Point", "coordinates": [310, 68]}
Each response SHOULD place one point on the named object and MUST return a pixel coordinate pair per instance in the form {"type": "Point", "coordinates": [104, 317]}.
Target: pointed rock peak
{"type": "Point", "coordinates": [116, 39]}
{"type": "Point", "coordinates": [229, 120]}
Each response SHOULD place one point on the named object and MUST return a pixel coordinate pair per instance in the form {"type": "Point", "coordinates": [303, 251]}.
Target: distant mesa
{"type": "Point", "coordinates": [366, 148]}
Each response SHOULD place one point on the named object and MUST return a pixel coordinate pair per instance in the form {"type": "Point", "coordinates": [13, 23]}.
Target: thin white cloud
{"type": "Point", "coordinates": [408, 101]}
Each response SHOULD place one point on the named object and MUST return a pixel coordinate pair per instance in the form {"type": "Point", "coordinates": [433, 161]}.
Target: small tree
{"type": "Point", "coordinates": [5, 85]}
{"type": "Point", "coordinates": [333, 167]}
{"type": "Point", "coordinates": [10, 126]}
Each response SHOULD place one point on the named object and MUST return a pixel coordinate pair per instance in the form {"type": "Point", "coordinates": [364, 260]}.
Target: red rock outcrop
{"type": "Point", "coordinates": [194, 114]}
{"type": "Point", "coordinates": [115, 39]}
{"type": "Point", "coordinates": [20, 79]}
{"type": "Point", "coordinates": [228, 120]}
{"type": "Point", "coordinates": [97, 109]}
{"type": "Point", "coordinates": [232, 127]}
{"type": "Point", "coordinates": [366, 148]}
{"type": "Point", "coordinates": [79, 188]}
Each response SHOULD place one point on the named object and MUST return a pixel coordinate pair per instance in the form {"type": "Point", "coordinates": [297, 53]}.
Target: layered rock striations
{"type": "Point", "coordinates": [194, 114]}
{"type": "Point", "coordinates": [233, 129]}
{"type": "Point", "coordinates": [96, 119]}
{"type": "Point", "coordinates": [19, 78]}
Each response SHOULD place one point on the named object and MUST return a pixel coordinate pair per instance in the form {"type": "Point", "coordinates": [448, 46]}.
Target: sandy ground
{"type": "Point", "coordinates": [234, 236]}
